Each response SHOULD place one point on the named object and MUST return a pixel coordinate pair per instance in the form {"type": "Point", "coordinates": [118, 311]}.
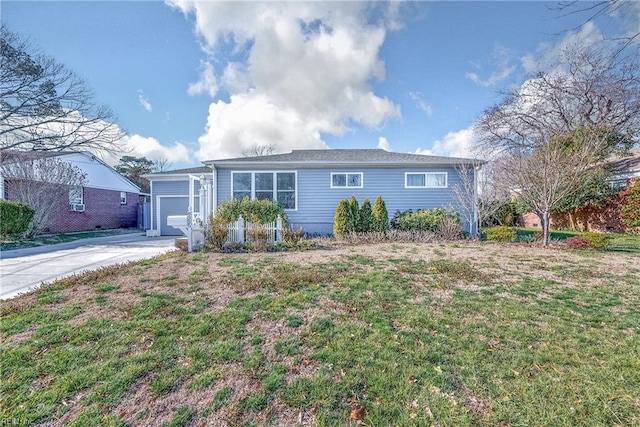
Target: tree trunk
{"type": "Point", "coordinates": [545, 218]}
{"type": "Point", "coordinates": [572, 221]}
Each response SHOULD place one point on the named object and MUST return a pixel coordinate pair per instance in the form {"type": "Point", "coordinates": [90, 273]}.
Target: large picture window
{"type": "Point", "coordinates": [346, 180]}
{"type": "Point", "coordinates": [425, 180]}
{"type": "Point", "coordinates": [276, 186]}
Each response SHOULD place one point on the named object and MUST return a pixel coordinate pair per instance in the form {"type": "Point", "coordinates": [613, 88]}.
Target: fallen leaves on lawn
{"type": "Point", "coordinates": [357, 414]}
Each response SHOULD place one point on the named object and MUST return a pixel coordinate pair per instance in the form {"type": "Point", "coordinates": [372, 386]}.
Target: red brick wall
{"type": "Point", "coordinates": [102, 211]}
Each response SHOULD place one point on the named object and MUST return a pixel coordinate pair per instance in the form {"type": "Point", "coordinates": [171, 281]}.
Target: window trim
{"type": "Point", "coordinates": [73, 203]}
{"type": "Point", "coordinates": [426, 180]}
{"type": "Point", "coordinates": [275, 184]}
{"type": "Point", "coordinates": [346, 180]}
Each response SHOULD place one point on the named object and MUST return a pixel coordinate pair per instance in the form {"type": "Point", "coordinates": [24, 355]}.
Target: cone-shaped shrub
{"type": "Point", "coordinates": [354, 212]}
{"type": "Point", "coordinates": [341, 218]}
{"type": "Point", "coordinates": [380, 215]}
{"type": "Point", "coordinates": [365, 217]}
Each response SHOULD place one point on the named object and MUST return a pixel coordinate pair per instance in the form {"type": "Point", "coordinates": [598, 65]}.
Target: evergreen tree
{"type": "Point", "coordinates": [365, 217]}
{"type": "Point", "coordinates": [354, 211]}
{"type": "Point", "coordinates": [380, 215]}
{"type": "Point", "coordinates": [341, 217]}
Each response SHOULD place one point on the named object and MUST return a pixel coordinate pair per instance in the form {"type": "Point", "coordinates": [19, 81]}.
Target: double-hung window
{"type": "Point", "coordinates": [277, 186]}
{"type": "Point", "coordinates": [76, 199]}
{"type": "Point", "coordinates": [425, 180]}
{"type": "Point", "coordinates": [347, 180]}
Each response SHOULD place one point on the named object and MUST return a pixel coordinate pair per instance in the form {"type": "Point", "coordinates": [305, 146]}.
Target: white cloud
{"type": "Point", "coordinates": [144, 101]}
{"type": "Point", "coordinates": [249, 120]}
{"type": "Point", "coordinates": [383, 143]}
{"type": "Point", "coordinates": [207, 82]}
{"type": "Point", "coordinates": [501, 58]}
{"type": "Point", "coordinates": [305, 70]}
{"type": "Point", "coordinates": [546, 57]}
{"type": "Point", "coordinates": [455, 144]}
{"type": "Point", "coordinates": [149, 147]}
{"type": "Point", "coordinates": [420, 102]}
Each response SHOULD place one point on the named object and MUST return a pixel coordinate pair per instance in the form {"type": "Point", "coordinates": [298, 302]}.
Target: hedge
{"type": "Point", "coordinates": [14, 218]}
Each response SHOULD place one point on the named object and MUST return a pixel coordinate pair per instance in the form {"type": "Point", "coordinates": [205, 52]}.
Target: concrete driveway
{"type": "Point", "coordinates": [22, 270]}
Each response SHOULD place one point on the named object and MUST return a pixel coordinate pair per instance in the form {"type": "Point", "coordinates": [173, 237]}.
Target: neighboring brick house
{"type": "Point", "coordinates": [107, 200]}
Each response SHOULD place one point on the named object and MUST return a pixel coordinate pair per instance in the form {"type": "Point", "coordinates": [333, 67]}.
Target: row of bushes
{"type": "Point", "coordinates": [584, 241]}
{"type": "Point", "coordinates": [16, 218]}
{"type": "Point", "coordinates": [422, 220]}
{"type": "Point", "coordinates": [352, 218]}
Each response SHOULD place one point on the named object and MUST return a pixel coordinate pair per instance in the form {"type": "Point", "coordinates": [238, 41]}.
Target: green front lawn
{"type": "Point", "coordinates": [396, 334]}
{"type": "Point", "coordinates": [629, 243]}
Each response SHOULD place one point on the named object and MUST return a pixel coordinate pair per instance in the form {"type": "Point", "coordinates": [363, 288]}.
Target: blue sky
{"type": "Point", "coordinates": [197, 81]}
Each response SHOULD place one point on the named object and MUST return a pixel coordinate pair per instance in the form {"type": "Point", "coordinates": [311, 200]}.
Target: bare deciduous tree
{"type": "Point", "coordinates": [161, 165]}
{"type": "Point", "coordinates": [596, 9]}
{"type": "Point", "coordinates": [46, 107]}
{"type": "Point", "coordinates": [477, 194]}
{"type": "Point", "coordinates": [40, 181]}
{"type": "Point", "coordinates": [558, 125]}
{"type": "Point", "coordinates": [259, 150]}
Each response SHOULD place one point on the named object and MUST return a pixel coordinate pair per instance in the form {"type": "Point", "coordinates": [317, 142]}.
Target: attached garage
{"type": "Point", "coordinates": [171, 205]}
{"type": "Point", "coordinates": [170, 196]}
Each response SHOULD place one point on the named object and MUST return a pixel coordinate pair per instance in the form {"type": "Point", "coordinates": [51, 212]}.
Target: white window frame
{"type": "Point", "coordinates": [426, 179]}
{"type": "Point", "coordinates": [78, 200]}
{"type": "Point", "coordinates": [275, 184]}
{"type": "Point", "coordinates": [76, 190]}
{"type": "Point", "coordinates": [346, 180]}
{"type": "Point", "coordinates": [123, 197]}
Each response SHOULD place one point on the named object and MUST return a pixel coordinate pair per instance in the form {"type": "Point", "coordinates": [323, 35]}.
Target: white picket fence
{"type": "Point", "coordinates": [238, 230]}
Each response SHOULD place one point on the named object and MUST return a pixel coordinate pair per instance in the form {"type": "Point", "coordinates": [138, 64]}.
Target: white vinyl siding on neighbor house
{"type": "Point", "coordinates": [281, 186]}
{"type": "Point", "coordinates": [425, 180]}
{"type": "Point", "coordinates": [347, 180]}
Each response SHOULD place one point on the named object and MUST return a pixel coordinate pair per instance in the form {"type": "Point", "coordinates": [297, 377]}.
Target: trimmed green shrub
{"type": "Point", "coordinates": [258, 211]}
{"type": "Point", "coordinates": [341, 222]}
{"type": "Point", "coordinates": [365, 217]}
{"type": "Point", "coordinates": [380, 215]}
{"type": "Point", "coordinates": [500, 233]}
{"type": "Point", "coordinates": [14, 218]}
{"type": "Point", "coordinates": [422, 220]}
{"type": "Point", "coordinates": [597, 241]}
{"type": "Point", "coordinates": [354, 212]}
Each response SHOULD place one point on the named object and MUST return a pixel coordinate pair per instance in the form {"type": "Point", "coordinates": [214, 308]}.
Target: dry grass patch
{"type": "Point", "coordinates": [416, 334]}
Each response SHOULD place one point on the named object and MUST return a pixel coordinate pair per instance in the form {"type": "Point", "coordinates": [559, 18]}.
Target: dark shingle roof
{"type": "Point", "coordinates": [194, 170]}
{"type": "Point", "coordinates": [350, 156]}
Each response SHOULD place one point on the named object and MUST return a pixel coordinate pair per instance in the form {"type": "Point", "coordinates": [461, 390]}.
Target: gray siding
{"type": "Point", "coordinates": [317, 200]}
{"type": "Point", "coordinates": [174, 200]}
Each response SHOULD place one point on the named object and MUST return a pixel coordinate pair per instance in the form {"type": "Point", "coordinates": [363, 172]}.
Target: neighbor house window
{"type": "Point", "coordinates": [76, 201]}
{"type": "Point", "coordinates": [123, 197]}
{"type": "Point", "coordinates": [277, 186]}
{"type": "Point", "coordinates": [346, 180]}
{"type": "Point", "coordinates": [425, 180]}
